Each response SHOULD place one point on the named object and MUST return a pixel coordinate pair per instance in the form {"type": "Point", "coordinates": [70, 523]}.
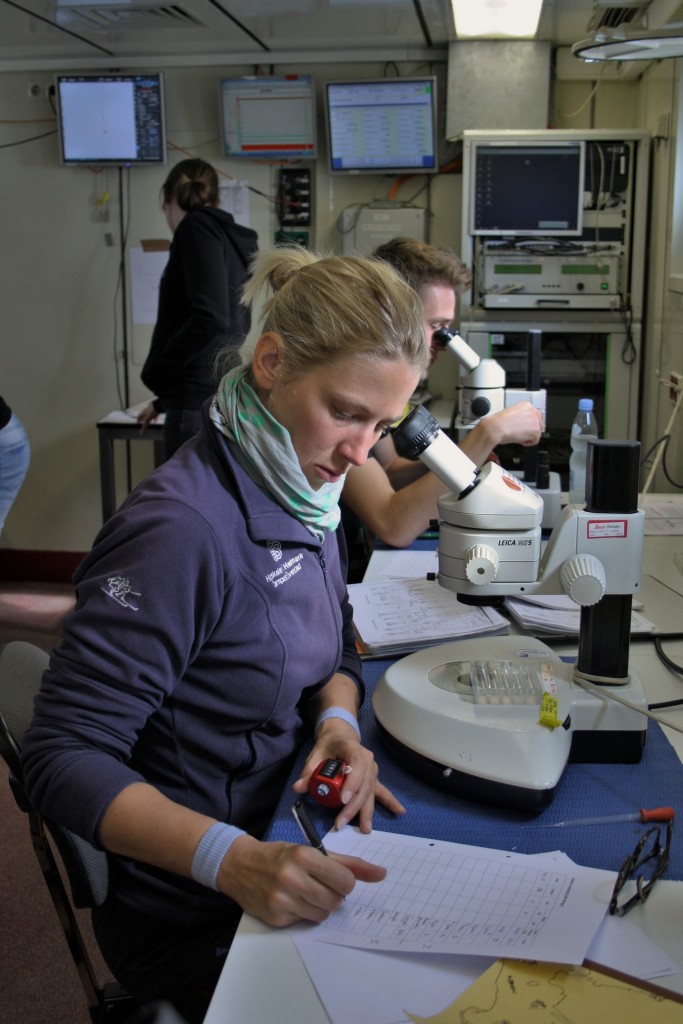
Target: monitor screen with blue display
{"type": "Point", "coordinates": [381, 126]}
{"type": "Point", "coordinates": [111, 119]}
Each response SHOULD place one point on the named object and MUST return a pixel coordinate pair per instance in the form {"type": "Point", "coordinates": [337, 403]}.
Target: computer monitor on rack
{"type": "Point", "coordinates": [269, 117]}
{"type": "Point", "coordinates": [381, 126]}
{"type": "Point", "coordinates": [111, 119]}
{"type": "Point", "coordinates": [527, 189]}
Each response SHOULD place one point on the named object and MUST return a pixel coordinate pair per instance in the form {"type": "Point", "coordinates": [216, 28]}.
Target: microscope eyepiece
{"type": "Point", "coordinates": [415, 433]}
{"type": "Point", "coordinates": [442, 336]}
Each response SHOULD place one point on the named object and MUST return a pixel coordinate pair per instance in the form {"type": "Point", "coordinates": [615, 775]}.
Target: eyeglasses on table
{"type": "Point", "coordinates": [651, 859]}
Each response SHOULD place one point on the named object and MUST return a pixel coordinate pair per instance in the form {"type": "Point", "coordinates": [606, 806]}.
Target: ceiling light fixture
{"type": "Point", "coordinates": [620, 44]}
{"type": "Point", "coordinates": [496, 19]}
{"type": "Point", "coordinates": [651, 31]}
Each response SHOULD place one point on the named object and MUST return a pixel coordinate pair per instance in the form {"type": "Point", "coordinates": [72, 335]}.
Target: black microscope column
{"type": "Point", "coordinates": [605, 629]}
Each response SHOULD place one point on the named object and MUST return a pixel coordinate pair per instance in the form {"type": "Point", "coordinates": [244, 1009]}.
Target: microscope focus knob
{"type": "Point", "coordinates": [480, 406]}
{"type": "Point", "coordinates": [583, 578]}
{"type": "Point", "coordinates": [481, 564]}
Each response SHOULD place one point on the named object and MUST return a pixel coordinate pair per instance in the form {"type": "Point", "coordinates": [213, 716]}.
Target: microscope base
{"type": "Point", "coordinates": [498, 752]}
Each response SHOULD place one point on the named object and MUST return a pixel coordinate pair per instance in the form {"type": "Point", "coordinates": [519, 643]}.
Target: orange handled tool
{"type": "Point", "coordinates": [655, 814]}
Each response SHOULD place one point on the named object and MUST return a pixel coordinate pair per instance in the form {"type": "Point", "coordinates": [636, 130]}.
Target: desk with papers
{"type": "Point", "coordinates": [122, 425]}
{"type": "Point", "coordinates": [265, 976]}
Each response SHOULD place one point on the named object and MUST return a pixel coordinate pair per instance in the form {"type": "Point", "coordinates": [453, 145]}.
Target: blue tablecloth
{"type": "Point", "coordinates": [584, 790]}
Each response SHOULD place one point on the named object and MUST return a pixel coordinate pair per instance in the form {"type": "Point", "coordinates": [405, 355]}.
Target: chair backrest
{"type": "Point", "coordinates": [21, 670]}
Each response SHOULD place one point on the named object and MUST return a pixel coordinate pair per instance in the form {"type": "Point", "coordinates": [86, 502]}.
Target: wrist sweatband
{"type": "Point", "coordinates": [342, 713]}
{"type": "Point", "coordinates": [211, 850]}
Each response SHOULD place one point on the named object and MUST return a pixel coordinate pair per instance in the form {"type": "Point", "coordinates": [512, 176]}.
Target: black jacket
{"type": "Point", "coordinates": [199, 307]}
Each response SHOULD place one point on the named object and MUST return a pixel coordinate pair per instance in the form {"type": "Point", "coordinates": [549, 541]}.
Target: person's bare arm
{"type": "Point", "coordinates": [400, 471]}
{"type": "Point", "coordinates": [278, 882]}
{"type": "Point", "coordinates": [336, 738]}
{"type": "Point", "coordinates": [518, 424]}
{"type": "Point", "coordinates": [398, 516]}
{"type": "Point", "coordinates": [147, 416]}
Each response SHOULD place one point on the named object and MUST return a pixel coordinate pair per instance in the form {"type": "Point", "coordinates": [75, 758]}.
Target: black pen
{"type": "Point", "coordinates": [306, 825]}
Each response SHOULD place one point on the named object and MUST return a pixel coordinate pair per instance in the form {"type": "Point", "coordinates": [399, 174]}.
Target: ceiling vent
{"type": "Point", "coordinates": [121, 17]}
{"type": "Point", "coordinates": [608, 15]}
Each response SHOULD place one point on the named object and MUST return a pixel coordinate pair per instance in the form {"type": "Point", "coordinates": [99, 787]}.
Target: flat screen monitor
{"type": "Point", "coordinates": [381, 126]}
{"type": "Point", "coordinates": [269, 118]}
{"type": "Point", "coordinates": [111, 119]}
{"type": "Point", "coordinates": [528, 188]}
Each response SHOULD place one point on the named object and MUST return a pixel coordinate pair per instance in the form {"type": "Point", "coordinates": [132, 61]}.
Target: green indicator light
{"type": "Point", "coordinates": [518, 268]}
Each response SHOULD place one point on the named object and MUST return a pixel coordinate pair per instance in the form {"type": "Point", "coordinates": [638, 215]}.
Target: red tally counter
{"type": "Point", "coordinates": [326, 782]}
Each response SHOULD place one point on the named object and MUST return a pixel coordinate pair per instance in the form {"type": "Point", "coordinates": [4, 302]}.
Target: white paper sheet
{"type": "Point", "coordinates": [410, 564]}
{"type": "Point", "coordinates": [386, 984]}
{"type": "Point", "coordinates": [409, 614]}
{"type": "Point", "coordinates": [663, 515]}
{"type": "Point", "coordinates": [146, 269]}
{"type": "Point", "coordinates": [234, 199]}
{"type": "Point", "coordinates": [376, 988]}
{"type": "Point", "coordinates": [451, 898]}
{"type": "Point", "coordinates": [539, 620]}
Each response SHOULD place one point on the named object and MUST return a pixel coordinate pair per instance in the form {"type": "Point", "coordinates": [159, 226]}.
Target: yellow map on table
{"type": "Point", "coordinates": [520, 991]}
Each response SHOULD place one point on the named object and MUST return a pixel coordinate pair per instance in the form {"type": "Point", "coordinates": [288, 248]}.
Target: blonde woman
{"type": "Point", "coordinates": [213, 637]}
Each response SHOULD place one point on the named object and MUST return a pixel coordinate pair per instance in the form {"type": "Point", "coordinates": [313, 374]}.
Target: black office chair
{"type": "Point", "coordinates": [21, 669]}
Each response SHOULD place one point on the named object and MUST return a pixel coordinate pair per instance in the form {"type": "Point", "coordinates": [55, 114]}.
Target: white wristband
{"type": "Point", "coordinates": [342, 713]}
{"type": "Point", "coordinates": [211, 850]}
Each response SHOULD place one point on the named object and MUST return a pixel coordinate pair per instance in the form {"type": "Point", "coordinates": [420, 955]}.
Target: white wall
{"type": "Point", "coordinates": [62, 326]}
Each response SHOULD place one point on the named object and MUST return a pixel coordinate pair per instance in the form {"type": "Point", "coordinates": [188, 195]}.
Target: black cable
{"type": "Point", "coordinates": [664, 657]}
{"type": "Point", "coordinates": [628, 351]}
{"type": "Point", "coordinates": [671, 665]}
{"type": "Point", "coordinates": [34, 138]}
{"type": "Point", "coordinates": [664, 439]}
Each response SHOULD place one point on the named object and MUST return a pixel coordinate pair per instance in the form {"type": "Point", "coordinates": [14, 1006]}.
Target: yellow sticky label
{"type": "Point", "coordinates": [548, 713]}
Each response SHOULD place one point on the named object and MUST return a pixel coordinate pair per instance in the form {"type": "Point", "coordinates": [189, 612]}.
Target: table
{"type": "Point", "coordinates": [122, 426]}
{"type": "Point", "coordinates": [260, 954]}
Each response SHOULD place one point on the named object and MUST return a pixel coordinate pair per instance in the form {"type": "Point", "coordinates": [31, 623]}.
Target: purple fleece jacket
{"type": "Point", "coordinates": [206, 618]}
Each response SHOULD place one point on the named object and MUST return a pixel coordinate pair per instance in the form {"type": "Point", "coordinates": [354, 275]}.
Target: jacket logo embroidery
{"type": "Point", "coordinates": [119, 587]}
{"type": "Point", "coordinates": [284, 572]}
{"type": "Point", "coordinates": [275, 549]}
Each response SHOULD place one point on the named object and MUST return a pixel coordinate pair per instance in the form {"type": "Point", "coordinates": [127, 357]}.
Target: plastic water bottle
{"type": "Point", "coordinates": [584, 429]}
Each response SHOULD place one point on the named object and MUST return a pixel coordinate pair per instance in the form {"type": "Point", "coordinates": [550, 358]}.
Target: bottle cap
{"type": "Point", "coordinates": [585, 404]}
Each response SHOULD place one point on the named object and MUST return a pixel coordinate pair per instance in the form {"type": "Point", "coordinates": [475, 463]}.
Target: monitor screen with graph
{"type": "Point", "coordinates": [269, 118]}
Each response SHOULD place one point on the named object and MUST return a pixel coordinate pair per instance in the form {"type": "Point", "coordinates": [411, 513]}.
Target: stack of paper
{"type": "Point", "coordinates": [663, 515]}
{"type": "Point", "coordinates": [401, 616]}
{"type": "Point", "coordinates": [557, 614]}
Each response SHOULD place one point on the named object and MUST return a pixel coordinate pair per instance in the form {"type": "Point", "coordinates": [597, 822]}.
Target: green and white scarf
{"type": "Point", "coordinates": [264, 449]}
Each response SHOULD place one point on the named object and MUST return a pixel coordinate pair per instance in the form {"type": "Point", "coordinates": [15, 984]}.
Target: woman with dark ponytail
{"type": "Point", "coordinates": [200, 312]}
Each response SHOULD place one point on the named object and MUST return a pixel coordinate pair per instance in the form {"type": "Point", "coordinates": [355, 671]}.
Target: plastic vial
{"type": "Point", "coordinates": [584, 429]}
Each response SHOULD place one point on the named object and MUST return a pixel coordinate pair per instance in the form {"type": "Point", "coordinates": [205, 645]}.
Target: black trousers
{"type": "Point", "coordinates": [154, 960]}
{"type": "Point", "coordinates": [179, 426]}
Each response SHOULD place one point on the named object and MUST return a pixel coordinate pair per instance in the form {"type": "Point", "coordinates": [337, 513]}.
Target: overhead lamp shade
{"type": "Point", "coordinates": [620, 45]}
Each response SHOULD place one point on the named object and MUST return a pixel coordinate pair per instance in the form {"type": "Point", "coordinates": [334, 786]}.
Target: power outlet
{"type": "Point", "coordinates": [675, 385]}
{"type": "Point", "coordinates": [38, 90]}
